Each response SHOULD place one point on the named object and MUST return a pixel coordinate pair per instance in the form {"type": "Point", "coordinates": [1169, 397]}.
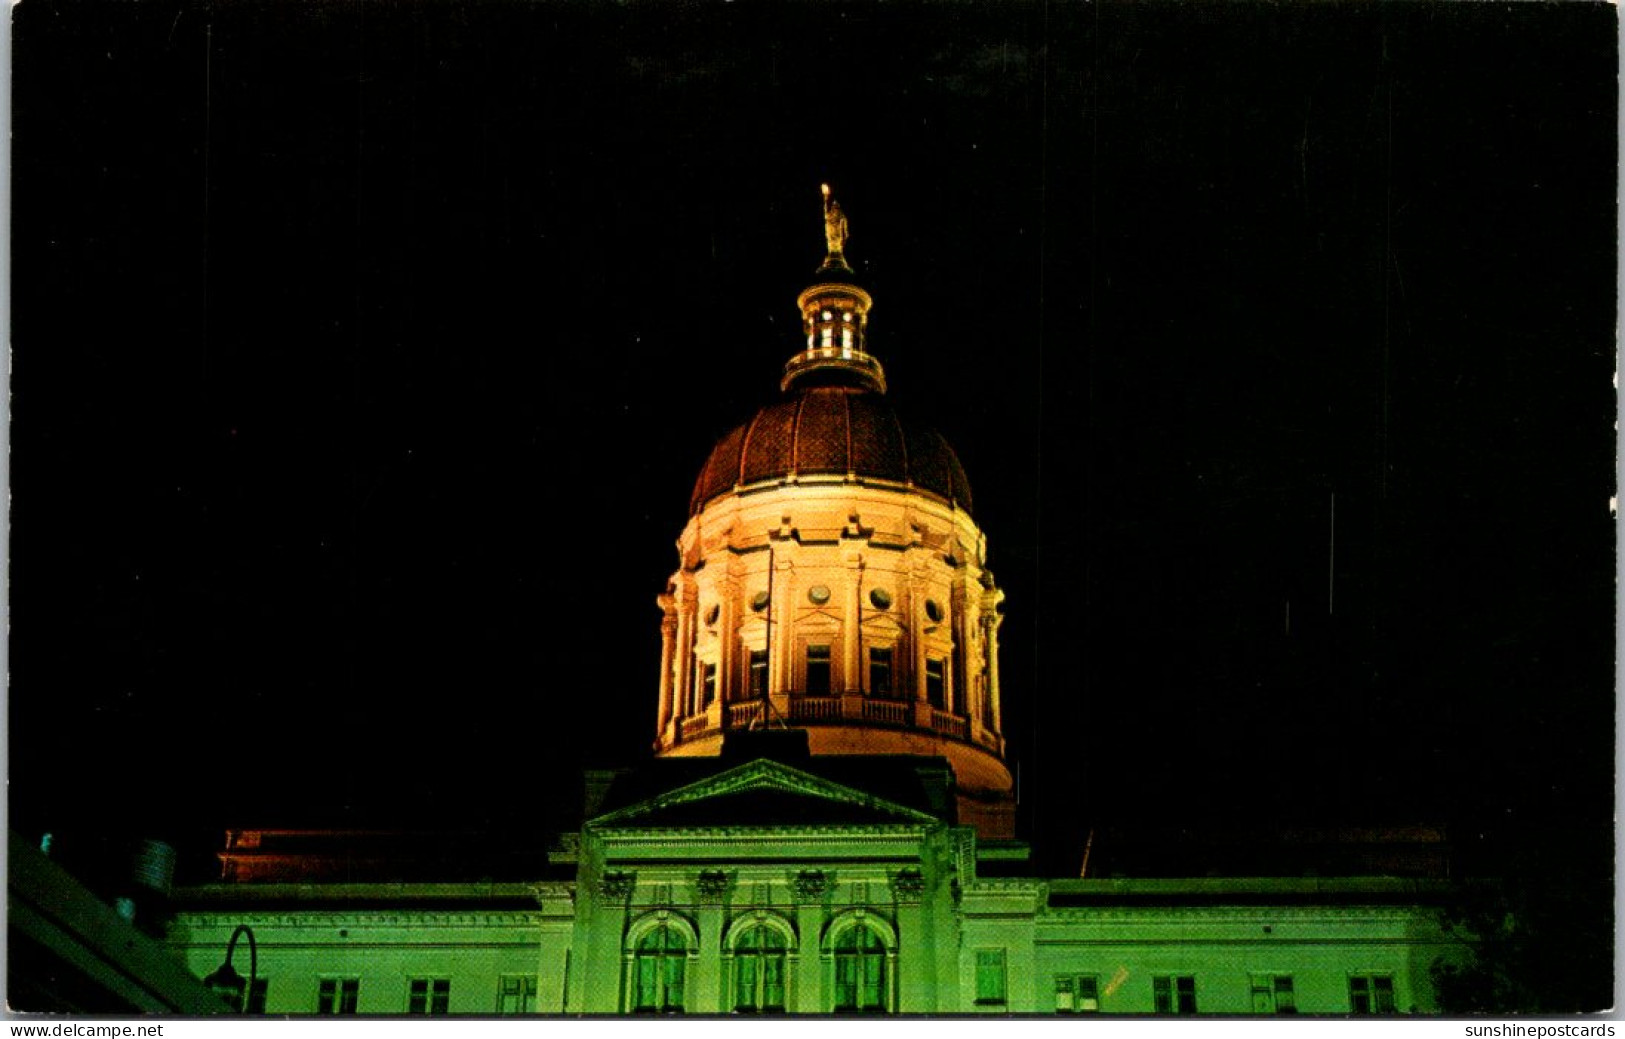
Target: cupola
{"type": "Point", "coordinates": [834, 319]}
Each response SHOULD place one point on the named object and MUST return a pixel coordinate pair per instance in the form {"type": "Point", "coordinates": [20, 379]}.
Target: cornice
{"type": "Point", "coordinates": [831, 833]}
{"type": "Point", "coordinates": [1259, 914]}
{"type": "Point", "coordinates": [354, 918]}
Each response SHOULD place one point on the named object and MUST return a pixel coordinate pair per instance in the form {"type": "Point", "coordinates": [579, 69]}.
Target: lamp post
{"type": "Point", "coordinates": [226, 982]}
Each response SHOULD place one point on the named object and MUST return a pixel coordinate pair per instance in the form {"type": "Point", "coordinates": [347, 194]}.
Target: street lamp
{"type": "Point", "coordinates": [226, 982]}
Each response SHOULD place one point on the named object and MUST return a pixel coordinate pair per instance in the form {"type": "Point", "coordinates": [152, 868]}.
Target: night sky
{"type": "Point", "coordinates": [365, 355]}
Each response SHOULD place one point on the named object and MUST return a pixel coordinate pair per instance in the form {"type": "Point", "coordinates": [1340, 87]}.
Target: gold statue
{"type": "Point", "coordinates": [834, 223]}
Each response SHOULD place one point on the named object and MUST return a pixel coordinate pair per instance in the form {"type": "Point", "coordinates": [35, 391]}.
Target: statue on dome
{"type": "Point", "coordinates": [834, 224]}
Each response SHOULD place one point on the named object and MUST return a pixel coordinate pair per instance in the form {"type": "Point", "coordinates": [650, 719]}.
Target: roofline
{"type": "Point", "coordinates": [1220, 886]}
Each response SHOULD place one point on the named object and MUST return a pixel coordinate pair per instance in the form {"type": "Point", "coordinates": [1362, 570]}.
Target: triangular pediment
{"type": "Point", "coordinates": [762, 792]}
{"type": "Point", "coordinates": [882, 623]}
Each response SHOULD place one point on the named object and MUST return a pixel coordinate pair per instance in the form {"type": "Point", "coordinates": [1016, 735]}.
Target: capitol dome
{"type": "Point", "coordinates": [839, 432]}
{"type": "Point", "coordinates": [831, 578]}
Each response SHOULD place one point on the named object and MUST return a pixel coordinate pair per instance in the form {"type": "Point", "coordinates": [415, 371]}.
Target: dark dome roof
{"type": "Point", "coordinates": [832, 429]}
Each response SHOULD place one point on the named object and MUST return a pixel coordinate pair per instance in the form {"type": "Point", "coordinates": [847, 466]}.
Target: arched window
{"type": "Point", "coordinates": [658, 966]}
{"type": "Point", "coordinates": [860, 972]}
{"type": "Point", "coordinates": [758, 960]}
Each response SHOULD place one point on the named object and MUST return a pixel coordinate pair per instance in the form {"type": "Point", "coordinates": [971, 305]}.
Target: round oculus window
{"type": "Point", "coordinates": [758, 602]}
{"type": "Point", "coordinates": [712, 614]}
{"type": "Point", "coordinates": [933, 610]}
{"type": "Point", "coordinates": [881, 598]}
{"type": "Point", "coordinates": [818, 594]}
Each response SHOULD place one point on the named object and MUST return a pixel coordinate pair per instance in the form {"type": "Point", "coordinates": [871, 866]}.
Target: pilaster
{"type": "Point", "coordinates": [850, 678]}
{"type": "Point", "coordinates": [781, 636]}
{"type": "Point", "coordinates": [705, 994]}
{"type": "Point", "coordinates": [728, 662]}
{"type": "Point", "coordinates": [809, 994]}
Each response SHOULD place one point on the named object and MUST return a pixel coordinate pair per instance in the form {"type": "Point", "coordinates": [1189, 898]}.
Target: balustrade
{"type": "Point", "coordinates": [815, 708]}
{"type": "Point", "coordinates": [832, 709]}
{"type": "Point", "coordinates": [889, 712]}
{"type": "Point", "coordinates": [744, 715]}
{"type": "Point", "coordinates": [950, 724]}
{"type": "Point", "coordinates": [698, 725]}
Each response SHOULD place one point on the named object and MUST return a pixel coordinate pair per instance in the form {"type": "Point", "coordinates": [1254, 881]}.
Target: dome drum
{"type": "Point", "coordinates": [861, 614]}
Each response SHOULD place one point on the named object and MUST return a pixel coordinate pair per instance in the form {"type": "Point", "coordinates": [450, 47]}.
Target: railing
{"type": "Point", "coordinates": [698, 725]}
{"type": "Point", "coordinates": [834, 709]}
{"type": "Point", "coordinates": [950, 724]}
{"type": "Point", "coordinates": [888, 712]}
{"type": "Point", "coordinates": [853, 360]}
{"type": "Point", "coordinates": [744, 715]}
{"type": "Point", "coordinates": [815, 708]}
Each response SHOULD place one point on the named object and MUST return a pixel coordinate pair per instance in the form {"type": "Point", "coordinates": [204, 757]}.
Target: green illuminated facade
{"type": "Point", "coordinates": [764, 887]}
{"type": "Point", "coordinates": [827, 826]}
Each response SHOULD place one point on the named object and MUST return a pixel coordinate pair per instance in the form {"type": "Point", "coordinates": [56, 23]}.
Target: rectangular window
{"type": "Point", "coordinates": [429, 996]}
{"type": "Point", "coordinates": [1077, 993]}
{"type": "Point", "coordinates": [1088, 994]}
{"type": "Point", "coordinates": [759, 974]}
{"type": "Point", "coordinates": [990, 977]}
{"type": "Point", "coordinates": [860, 984]}
{"type": "Point", "coordinates": [660, 984]}
{"type": "Point", "coordinates": [758, 674]}
{"type": "Point", "coordinates": [1174, 994]}
{"type": "Point", "coordinates": [773, 984]}
{"type": "Point", "coordinates": [256, 996]}
{"type": "Point", "coordinates": [1272, 994]}
{"type": "Point", "coordinates": [818, 683]}
{"type": "Point", "coordinates": [1371, 993]}
{"type": "Point", "coordinates": [936, 689]}
{"type": "Point", "coordinates": [516, 993]}
{"type": "Point", "coordinates": [337, 995]}
{"type": "Point", "coordinates": [708, 684]}
{"type": "Point", "coordinates": [880, 671]}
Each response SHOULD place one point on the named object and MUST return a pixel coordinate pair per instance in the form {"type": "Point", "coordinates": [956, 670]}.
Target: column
{"type": "Point", "coordinates": [915, 621]}
{"type": "Point", "coordinates": [914, 631]}
{"type": "Point", "coordinates": [780, 642]}
{"type": "Point", "coordinates": [960, 661]}
{"type": "Point", "coordinates": [684, 670]}
{"type": "Point", "coordinates": [995, 596]}
{"type": "Point", "coordinates": [668, 648]}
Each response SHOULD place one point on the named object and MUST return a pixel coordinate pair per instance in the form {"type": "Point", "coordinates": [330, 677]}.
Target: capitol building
{"type": "Point", "coordinates": [826, 823]}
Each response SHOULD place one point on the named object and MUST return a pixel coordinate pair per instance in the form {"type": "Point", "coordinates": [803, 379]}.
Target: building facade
{"type": "Point", "coordinates": [827, 823]}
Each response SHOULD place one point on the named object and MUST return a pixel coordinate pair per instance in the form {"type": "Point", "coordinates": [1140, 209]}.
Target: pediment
{"type": "Point", "coordinates": [881, 622]}
{"type": "Point", "coordinates": [818, 620]}
{"type": "Point", "coordinates": [765, 793]}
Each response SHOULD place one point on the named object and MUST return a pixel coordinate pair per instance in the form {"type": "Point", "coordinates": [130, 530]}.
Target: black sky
{"type": "Point", "coordinates": [365, 355]}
